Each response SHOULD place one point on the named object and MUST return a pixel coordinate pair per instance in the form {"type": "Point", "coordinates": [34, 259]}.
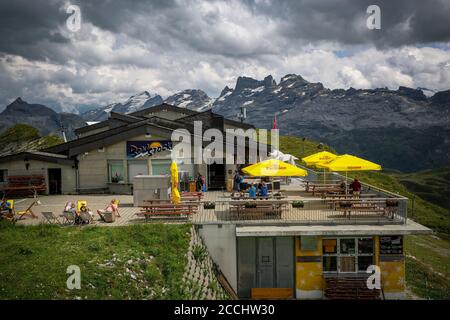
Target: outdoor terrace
{"type": "Point", "coordinates": [297, 206]}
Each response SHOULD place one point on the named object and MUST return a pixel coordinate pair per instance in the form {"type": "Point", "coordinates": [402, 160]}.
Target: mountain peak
{"type": "Point", "coordinates": [415, 94]}
{"type": "Point", "coordinates": [291, 78]}
{"type": "Point", "coordinates": [19, 100]}
{"type": "Point", "coordinates": [250, 83]}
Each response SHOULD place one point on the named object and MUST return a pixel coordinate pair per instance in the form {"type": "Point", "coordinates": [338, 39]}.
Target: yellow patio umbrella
{"type": "Point", "coordinates": [174, 177]}
{"type": "Point", "coordinates": [348, 163]}
{"type": "Point", "coordinates": [274, 168]}
{"type": "Point", "coordinates": [319, 157]}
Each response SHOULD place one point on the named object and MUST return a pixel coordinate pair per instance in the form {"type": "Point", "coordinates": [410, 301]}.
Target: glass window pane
{"type": "Point", "coordinates": [329, 246]}
{"type": "Point", "coordinates": [347, 246]}
{"type": "Point", "coordinates": [347, 264]}
{"type": "Point", "coordinates": [329, 263]}
{"type": "Point", "coordinates": [116, 172]}
{"type": "Point", "coordinates": [364, 262]}
{"type": "Point", "coordinates": [365, 245]}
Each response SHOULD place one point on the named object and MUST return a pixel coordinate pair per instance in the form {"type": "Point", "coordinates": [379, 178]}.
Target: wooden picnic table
{"type": "Point", "coordinates": [257, 208]}
{"type": "Point", "coordinates": [358, 205]}
{"type": "Point", "coordinates": [333, 183]}
{"type": "Point", "coordinates": [169, 210]}
{"type": "Point", "coordinates": [268, 197]}
{"type": "Point", "coordinates": [348, 196]}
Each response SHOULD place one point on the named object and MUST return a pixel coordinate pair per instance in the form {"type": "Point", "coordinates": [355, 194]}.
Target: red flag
{"type": "Point", "coordinates": [274, 122]}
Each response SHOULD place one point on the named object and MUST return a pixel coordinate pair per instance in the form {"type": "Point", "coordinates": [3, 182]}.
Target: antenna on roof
{"type": "Point", "coordinates": [243, 115]}
{"type": "Point", "coordinates": [63, 132]}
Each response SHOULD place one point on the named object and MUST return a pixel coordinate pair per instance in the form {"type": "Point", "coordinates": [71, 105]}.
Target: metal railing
{"type": "Point", "coordinates": [309, 212]}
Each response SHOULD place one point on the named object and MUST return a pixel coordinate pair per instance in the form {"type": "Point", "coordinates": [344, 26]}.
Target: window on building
{"type": "Point", "coordinates": [347, 254]}
{"type": "Point", "coordinates": [116, 171]}
{"type": "Point", "coordinates": [161, 167]}
{"type": "Point", "coordinates": [137, 168]}
{"type": "Point", "coordinates": [3, 176]}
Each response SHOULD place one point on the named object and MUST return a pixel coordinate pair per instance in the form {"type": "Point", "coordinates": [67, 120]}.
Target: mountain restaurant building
{"type": "Point", "coordinates": [107, 155]}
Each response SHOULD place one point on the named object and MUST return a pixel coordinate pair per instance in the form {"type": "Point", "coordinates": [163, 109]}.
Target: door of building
{"type": "Point", "coordinates": [54, 181]}
{"type": "Point", "coordinates": [216, 176]}
{"type": "Point", "coordinates": [265, 263]}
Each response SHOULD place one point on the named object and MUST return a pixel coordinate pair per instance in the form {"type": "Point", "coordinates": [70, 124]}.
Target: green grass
{"type": "Point", "coordinates": [428, 266]}
{"type": "Point", "coordinates": [18, 134]}
{"type": "Point", "coordinates": [432, 185]}
{"type": "Point", "coordinates": [301, 147]}
{"type": "Point", "coordinates": [34, 261]}
{"type": "Point", "coordinates": [22, 137]}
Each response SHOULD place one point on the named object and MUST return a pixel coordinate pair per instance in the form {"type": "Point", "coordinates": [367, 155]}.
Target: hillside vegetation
{"type": "Point", "coordinates": [23, 137]}
{"type": "Point", "coordinates": [432, 185]}
{"type": "Point", "coordinates": [132, 262]}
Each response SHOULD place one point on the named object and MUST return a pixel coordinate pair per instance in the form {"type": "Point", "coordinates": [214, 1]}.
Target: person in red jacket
{"type": "Point", "coordinates": [356, 187]}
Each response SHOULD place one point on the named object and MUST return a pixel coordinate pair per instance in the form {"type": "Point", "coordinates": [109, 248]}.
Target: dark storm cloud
{"type": "Point", "coordinates": [31, 28]}
{"type": "Point", "coordinates": [402, 21]}
{"type": "Point", "coordinates": [164, 46]}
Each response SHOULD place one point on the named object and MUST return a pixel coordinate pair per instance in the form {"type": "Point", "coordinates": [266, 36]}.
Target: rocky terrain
{"type": "Point", "coordinates": [134, 103]}
{"type": "Point", "coordinates": [401, 129]}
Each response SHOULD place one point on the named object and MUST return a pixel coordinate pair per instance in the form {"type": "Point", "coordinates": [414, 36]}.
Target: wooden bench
{"type": "Point", "coordinates": [189, 195]}
{"type": "Point", "coordinates": [257, 208]}
{"type": "Point", "coordinates": [310, 186]}
{"type": "Point", "coordinates": [358, 205]}
{"type": "Point", "coordinates": [272, 293]}
{"type": "Point", "coordinates": [24, 184]}
{"type": "Point", "coordinates": [348, 287]}
{"type": "Point", "coordinates": [348, 196]}
{"type": "Point", "coordinates": [169, 210]}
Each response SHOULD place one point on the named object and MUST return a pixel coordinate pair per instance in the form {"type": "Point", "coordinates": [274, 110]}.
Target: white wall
{"type": "Point", "coordinates": [221, 244]}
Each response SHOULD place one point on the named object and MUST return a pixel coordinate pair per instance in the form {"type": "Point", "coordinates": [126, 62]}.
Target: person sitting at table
{"type": "Point", "coordinates": [111, 209]}
{"type": "Point", "coordinates": [263, 191]}
{"type": "Point", "coordinates": [342, 186]}
{"type": "Point", "coordinates": [356, 187]}
{"type": "Point", "coordinates": [252, 191]}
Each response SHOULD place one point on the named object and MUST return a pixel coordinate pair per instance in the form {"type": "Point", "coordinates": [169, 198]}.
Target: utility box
{"type": "Point", "coordinates": [146, 187]}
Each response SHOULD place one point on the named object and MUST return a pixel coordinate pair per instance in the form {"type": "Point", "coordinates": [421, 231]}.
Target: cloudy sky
{"type": "Point", "coordinates": [165, 46]}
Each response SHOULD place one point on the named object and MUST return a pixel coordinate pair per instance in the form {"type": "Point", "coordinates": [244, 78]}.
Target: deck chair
{"type": "Point", "coordinates": [50, 218]}
{"type": "Point", "coordinates": [86, 217]}
{"type": "Point", "coordinates": [8, 214]}
{"type": "Point", "coordinates": [117, 211]}
{"type": "Point", "coordinates": [69, 217]}
{"type": "Point", "coordinates": [28, 211]}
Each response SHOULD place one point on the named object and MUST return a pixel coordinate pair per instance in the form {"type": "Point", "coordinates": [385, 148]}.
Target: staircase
{"type": "Point", "coordinates": [347, 287]}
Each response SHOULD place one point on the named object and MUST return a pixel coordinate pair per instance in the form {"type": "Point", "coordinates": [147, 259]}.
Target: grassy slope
{"type": "Point", "coordinates": [428, 257]}
{"type": "Point", "coordinates": [432, 185]}
{"type": "Point", "coordinates": [34, 260]}
{"type": "Point", "coordinates": [22, 137]}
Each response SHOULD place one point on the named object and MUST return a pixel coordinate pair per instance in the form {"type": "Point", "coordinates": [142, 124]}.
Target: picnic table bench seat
{"type": "Point", "coordinates": [169, 210]}
{"type": "Point", "coordinates": [24, 184]}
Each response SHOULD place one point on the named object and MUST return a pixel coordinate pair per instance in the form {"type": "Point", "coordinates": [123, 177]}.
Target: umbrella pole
{"type": "Point", "coordinates": [346, 182]}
